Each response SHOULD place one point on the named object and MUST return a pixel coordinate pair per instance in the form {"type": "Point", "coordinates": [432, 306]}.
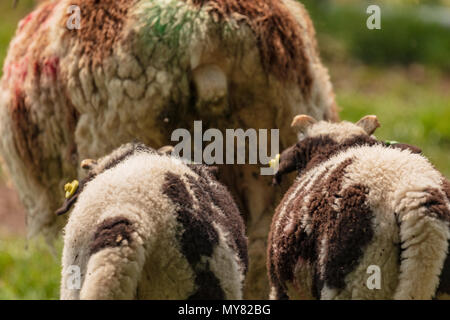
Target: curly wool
{"type": "Point", "coordinates": [359, 203]}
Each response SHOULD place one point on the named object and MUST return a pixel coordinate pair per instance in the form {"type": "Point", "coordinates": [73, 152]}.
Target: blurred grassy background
{"type": "Point", "coordinates": [401, 73]}
{"type": "Point", "coordinates": [28, 270]}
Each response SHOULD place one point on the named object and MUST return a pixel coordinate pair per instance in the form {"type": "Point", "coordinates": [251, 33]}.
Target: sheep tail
{"type": "Point", "coordinates": [117, 257]}
{"type": "Point", "coordinates": [424, 234]}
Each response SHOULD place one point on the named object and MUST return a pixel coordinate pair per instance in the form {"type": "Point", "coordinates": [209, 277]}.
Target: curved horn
{"type": "Point", "coordinates": [88, 164]}
{"type": "Point", "coordinates": [166, 150]}
{"type": "Point", "coordinates": [302, 121]}
{"type": "Point", "coordinates": [369, 124]}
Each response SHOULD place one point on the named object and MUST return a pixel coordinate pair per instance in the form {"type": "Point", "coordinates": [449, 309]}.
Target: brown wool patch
{"type": "Point", "coordinates": [203, 171]}
{"type": "Point", "coordinates": [294, 243]}
{"type": "Point", "coordinates": [293, 208]}
{"type": "Point", "coordinates": [446, 187]}
{"type": "Point", "coordinates": [297, 245]}
{"type": "Point", "coordinates": [101, 26]}
{"type": "Point", "coordinates": [280, 292]}
{"type": "Point", "coordinates": [198, 237]}
{"type": "Point", "coordinates": [208, 286]}
{"type": "Point", "coordinates": [279, 36]}
{"type": "Point", "coordinates": [218, 195]}
{"type": "Point", "coordinates": [177, 192]}
{"type": "Point", "coordinates": [321, 151]}
{"type": "Point", "coordinates": [437, 204]}
{"type": "Point", "coordinates": [404, 146]}
{"type": "Point", "coordinates": [348, 235]}
{"type": "Point", "coordinates": [111, 233]}
{"type": "Point", "coordinates": [310, 152]}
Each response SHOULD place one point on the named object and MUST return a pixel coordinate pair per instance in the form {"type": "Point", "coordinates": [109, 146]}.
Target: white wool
{"type": "Point", "coordinates": [339, 131]}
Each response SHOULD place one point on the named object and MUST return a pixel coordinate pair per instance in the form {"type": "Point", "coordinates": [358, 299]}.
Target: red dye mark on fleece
{"type": "Point", "coordinates": [25, 21]}
{"type": "Point", "coordinates": [51, 67]}
{"type": "Point", "coordinates": [17, 72]}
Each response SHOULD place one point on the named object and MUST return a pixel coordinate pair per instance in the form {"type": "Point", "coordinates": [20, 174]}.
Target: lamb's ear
{"type": "Point", "coordinates": [287, 164]}
{"type": "Point", "coordinates": [369, 124]}
{"type": "Point", "coordinates": [302, 122]}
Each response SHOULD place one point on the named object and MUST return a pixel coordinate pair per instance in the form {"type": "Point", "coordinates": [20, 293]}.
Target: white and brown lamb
{"type": "Point", "coordinates": [359, 203]}
{"type": "Point", "coordinates": [149, 226]}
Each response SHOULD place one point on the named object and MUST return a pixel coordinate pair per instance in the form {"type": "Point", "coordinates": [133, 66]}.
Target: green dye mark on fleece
{"type": "Point", "coordinates": [170, 23]}
{"type": "Point", "coordinates": [175, 24]}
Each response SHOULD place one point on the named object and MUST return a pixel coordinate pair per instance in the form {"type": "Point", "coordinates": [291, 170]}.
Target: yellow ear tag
{"type": "Point", "coordinates": [275, 162]}
{"type": "Point", "coordinates": [71, 188]}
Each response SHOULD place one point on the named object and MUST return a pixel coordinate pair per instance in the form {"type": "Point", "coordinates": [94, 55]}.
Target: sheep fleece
{"type": "Point", "coordinates": [152, 227]}
{"type": "Point", "coordinates": [356, 204]}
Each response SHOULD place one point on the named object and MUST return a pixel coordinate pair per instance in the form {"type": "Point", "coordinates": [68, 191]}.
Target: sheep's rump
{"type": "Point", "coordinates": [138, 69]}
{"type": "Point", "coordinates": [366, 206]}
{"type": "Point", "coordinates": [151, 227]}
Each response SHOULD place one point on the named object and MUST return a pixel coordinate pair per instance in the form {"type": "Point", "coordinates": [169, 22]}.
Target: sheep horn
{"type": "Point", "coordinates": [88, 164]}
{"type": "Point", "coordinates": [166, 150]}
{"type": "Point", "coordinates": [369, 124]}
{"type": "Point", "coordinates": [302, 121]}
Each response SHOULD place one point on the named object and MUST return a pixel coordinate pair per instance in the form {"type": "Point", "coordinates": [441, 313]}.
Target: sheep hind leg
{"type": "Point", "coordinates": [424, 240]}
{"type": "Point", "coordinates": [114, 272]}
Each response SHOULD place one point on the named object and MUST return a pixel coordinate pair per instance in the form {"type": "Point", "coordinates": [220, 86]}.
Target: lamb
{"type": "Point", "coordinates": [358, 204]}
{"type": "Point", "coordinates": [146, 225]}
{"type": "Point", "coordinates": [138, 69]}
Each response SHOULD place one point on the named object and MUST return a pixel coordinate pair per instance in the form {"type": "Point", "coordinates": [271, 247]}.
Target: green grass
{"type": "Point", "coordinates": [28, 273]}
{"type": "Point", "coordinates": [415, 112]}
{"type": "Point", "coordinates": [404, 38]}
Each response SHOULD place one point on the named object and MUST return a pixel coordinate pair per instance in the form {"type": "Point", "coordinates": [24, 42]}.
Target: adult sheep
{"type": "Point", "coordinates": [138, 69]}
{"type": "Point", "coordinates": [149, 226]}
{"type": "Point", "coordinates": [359, 205]}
